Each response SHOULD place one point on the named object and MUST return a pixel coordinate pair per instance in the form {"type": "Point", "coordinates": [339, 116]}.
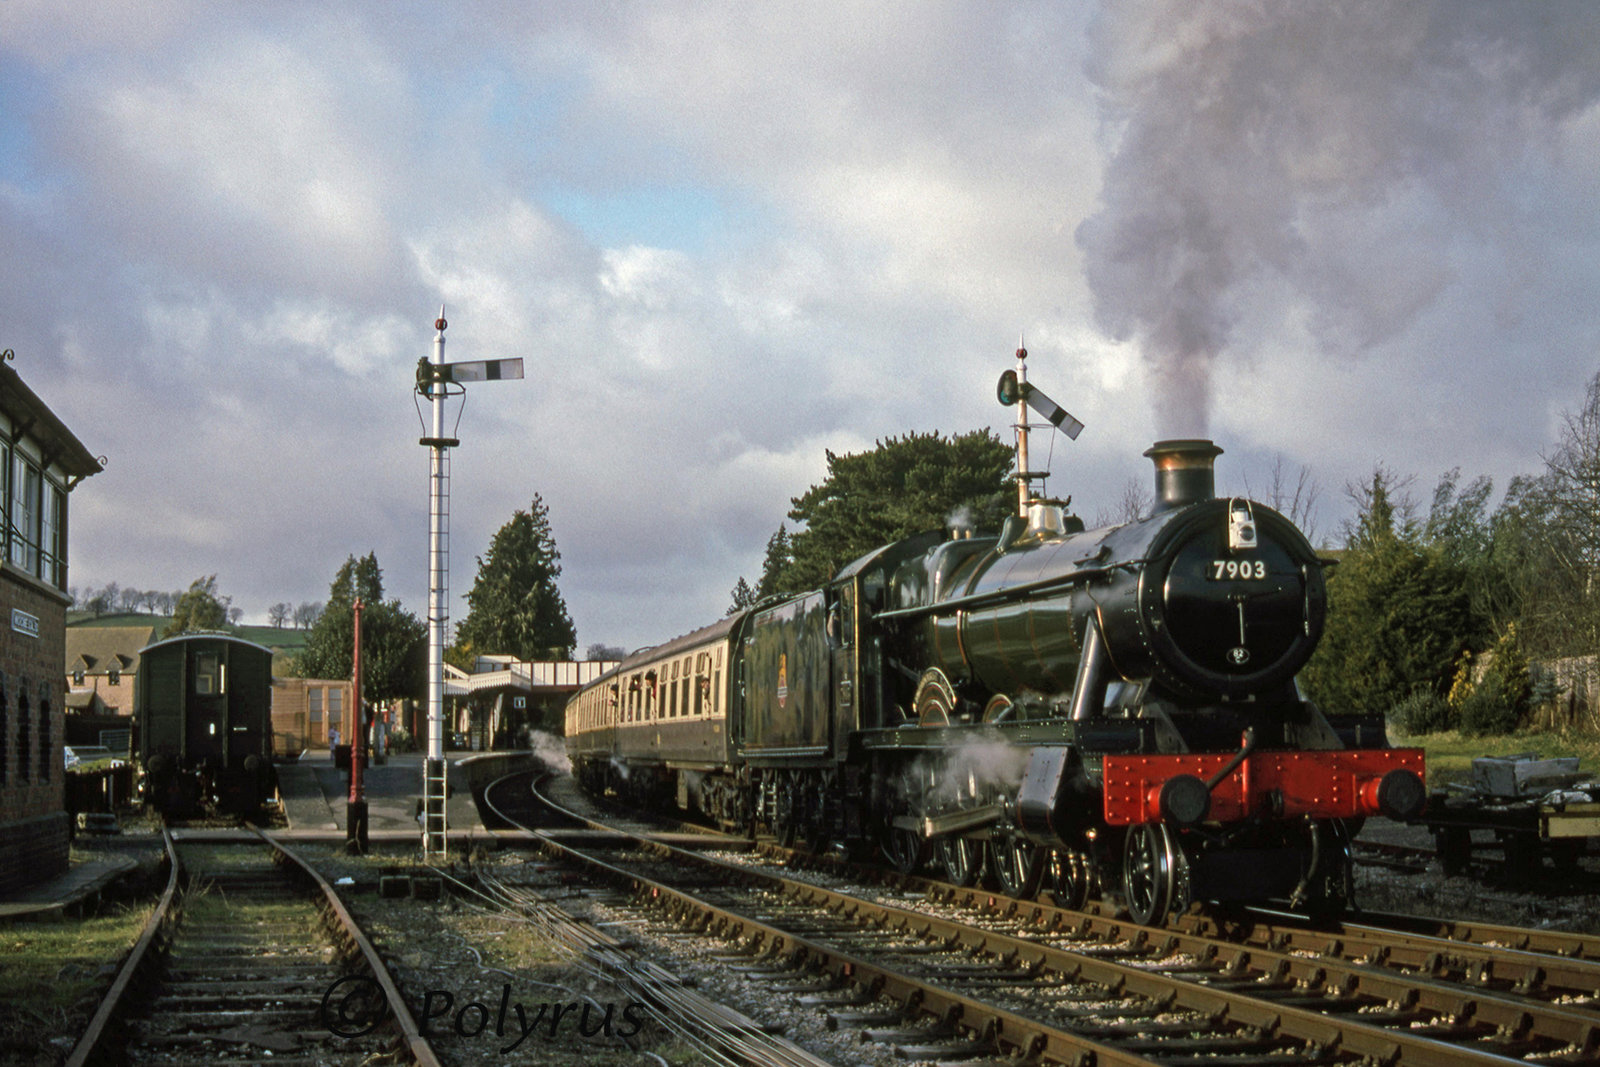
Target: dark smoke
{"type": "Point", "coordinates": [1265, 153]}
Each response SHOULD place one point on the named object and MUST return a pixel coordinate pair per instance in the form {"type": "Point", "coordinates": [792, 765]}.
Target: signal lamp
{"type": "Point", "coordinates": [1009, 390]}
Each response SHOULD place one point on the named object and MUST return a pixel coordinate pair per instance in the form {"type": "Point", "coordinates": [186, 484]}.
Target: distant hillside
{"type": "Point", "coordinates": [283, 641]}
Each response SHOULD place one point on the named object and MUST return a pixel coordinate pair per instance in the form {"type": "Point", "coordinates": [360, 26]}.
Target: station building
{"type": "Point", "coordinates": [502, 702]}
{"type": "Point", "coordinates": [40, 464]}
{"type": "Point", "coordinates": [305, 709]}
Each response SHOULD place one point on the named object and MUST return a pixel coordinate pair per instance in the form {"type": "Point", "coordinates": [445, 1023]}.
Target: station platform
{"type": "Point", "coordinates": [71, 893]}
{"type": "Point", "coordinates": [316, 794]}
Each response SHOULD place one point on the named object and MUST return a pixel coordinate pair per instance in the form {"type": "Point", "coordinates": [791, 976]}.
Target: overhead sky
{"type": "Point", "coordinates": [726, 237]}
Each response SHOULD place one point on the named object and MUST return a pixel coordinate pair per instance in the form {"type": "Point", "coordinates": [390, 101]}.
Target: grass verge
{"type": "Point", "coordinates": [53, 977]}
{"type": "Point", "coordinates": [1450, 753]}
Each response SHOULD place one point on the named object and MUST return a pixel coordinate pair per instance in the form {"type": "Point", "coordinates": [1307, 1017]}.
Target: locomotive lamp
{"type": "Point", "coordinates": [1241, 526]}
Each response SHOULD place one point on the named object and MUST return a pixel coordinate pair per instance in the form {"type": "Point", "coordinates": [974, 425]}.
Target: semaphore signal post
{"type": "Point", "coordinates": [436, 381]}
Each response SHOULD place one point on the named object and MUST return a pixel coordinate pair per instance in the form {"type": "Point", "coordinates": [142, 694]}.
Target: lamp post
{"type": "Point", "coordinates": [356, 839]}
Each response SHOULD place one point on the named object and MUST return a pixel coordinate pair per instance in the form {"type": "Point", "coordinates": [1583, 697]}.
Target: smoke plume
{"type": "Point", "coordinates": [1272, 164]}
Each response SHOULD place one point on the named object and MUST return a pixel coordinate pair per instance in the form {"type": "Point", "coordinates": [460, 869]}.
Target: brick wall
{"type": "Point", "coordinates": [33, 821]}
{"type": "Point", "coordinates": [32, 850]}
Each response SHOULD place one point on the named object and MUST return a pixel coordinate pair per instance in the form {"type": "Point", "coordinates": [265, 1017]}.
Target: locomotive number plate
{"type": "Point", "coordinates": [1237, 570]}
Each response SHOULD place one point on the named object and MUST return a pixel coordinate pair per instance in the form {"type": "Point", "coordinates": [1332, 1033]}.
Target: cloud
{"type": "Point", "coordinates": [723, 240]}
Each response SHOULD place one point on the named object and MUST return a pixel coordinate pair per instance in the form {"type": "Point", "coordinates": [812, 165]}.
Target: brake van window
{"type": "Point", "coordinates": [206, 669]}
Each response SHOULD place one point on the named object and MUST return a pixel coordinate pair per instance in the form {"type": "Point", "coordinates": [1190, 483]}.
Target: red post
{"type": "Point", "coordinates": [356, 839]}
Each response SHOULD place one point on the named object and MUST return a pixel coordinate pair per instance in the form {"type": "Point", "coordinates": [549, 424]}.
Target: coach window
{"type": "Point", "coordinates": [314, 712]}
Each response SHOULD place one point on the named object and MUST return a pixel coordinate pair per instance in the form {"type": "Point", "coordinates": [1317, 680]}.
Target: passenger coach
{"type": "Point", "coordinates": [655, 726]}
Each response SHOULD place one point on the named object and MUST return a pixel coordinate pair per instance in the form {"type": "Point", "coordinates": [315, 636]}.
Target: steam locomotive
{"type": "Point", "coordinates": [1111, 711]}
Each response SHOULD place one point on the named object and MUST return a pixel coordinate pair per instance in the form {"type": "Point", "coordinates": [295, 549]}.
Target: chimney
{"type": "Point", "coordinates": [1184, 473]}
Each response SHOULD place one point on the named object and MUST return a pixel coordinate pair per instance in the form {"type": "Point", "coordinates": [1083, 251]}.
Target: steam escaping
{"type": "Point", "coordinates": [550, 750]}
{"type": "Point", "coordinates": [974, 772]}
{"type": "Point", "coordinates": [1272, 162]}
{"type": "Point", "coordinates": [960, 521]}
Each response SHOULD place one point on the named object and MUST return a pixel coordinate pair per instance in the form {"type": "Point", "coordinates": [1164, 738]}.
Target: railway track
{"type": "Point", "coordinates": [970, 972]}
{"type": "Point", "coordinates": [250, 957]}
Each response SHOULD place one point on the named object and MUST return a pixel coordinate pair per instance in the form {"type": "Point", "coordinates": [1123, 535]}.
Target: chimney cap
{"type": "Point", "coordinates": [1183, 452]}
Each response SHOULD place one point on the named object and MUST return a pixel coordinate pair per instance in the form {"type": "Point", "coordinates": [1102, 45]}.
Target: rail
{"type": "Point", "coordinates": [138, 974]}
{"type": "Point", "coordinates": [1318, 999]}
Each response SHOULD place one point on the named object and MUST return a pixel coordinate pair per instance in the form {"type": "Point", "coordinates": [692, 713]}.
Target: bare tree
{"type": "Point", "coordinates": [1573, 475]}
{"type": "Point", "coordinates": [1134, 504]}
{"type": "Point", "coordinates": [279, 614]}
{"type": "Point", "coordinates": [1297, 501]}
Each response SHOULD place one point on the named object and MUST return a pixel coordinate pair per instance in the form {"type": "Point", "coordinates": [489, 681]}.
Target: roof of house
{"type": "Point", "coordinates": [97, 649]}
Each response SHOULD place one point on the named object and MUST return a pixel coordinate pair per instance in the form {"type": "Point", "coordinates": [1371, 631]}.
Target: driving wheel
{"type": "Point", "coordinates": [1147, 872]}
{"type": "Point", "coordinates": [1017, 864]}
{"type": "Point", "coordinates": [1071, 878]}
{"type": "Point", "coordinates": [962, 860]}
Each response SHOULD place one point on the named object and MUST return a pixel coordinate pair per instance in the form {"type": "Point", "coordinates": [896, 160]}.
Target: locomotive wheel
{"type": "Point", "coordinates": [817, 819]}
{"type": "Point", "coordinates": [1147, 872]}
{"type": "Point", "coordinates": [998, 708]}
{"type": "Point", "coordinates": [962, 860]}
{"type": "Point", "coordinates": [906, 849]}
{"type": "Point", "coordinates": [935, 700]}
{"type": "Point", "coordinates": [784, 827]}
{"type": "Point", "coordinates": [1071, 879]}
{"type": "Point", "coordinates": [1017, 863]}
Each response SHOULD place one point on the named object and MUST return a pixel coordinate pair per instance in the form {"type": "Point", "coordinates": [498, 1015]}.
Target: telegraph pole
{"type": "Point", "coordinates": [436, 381]}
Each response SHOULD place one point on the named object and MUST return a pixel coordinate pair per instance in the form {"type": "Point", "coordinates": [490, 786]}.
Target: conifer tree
{"type": "Point", "coordinates": [515, 607]}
